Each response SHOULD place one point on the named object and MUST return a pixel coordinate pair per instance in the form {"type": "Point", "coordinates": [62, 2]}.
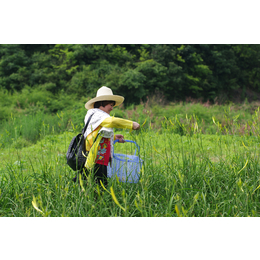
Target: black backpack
{"type": "Point", "coordinates": [75, 158]}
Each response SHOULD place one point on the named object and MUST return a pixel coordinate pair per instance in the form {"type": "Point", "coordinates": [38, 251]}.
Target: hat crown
{"type": "Point", "coordinates": [104, 91]}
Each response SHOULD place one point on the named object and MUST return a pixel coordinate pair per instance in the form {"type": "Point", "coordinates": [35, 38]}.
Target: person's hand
{"type": "Point", "coordinates": [136, 126]}
{"type": "Point", "coordinates": [120, 138]}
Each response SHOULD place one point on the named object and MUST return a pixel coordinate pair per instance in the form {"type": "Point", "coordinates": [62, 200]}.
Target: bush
{"type": "Point", "coordinates": [20, 143]}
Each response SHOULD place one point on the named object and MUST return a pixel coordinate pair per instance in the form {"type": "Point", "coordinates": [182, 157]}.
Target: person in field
{"type": "Point", "coordinates": [99, 136]}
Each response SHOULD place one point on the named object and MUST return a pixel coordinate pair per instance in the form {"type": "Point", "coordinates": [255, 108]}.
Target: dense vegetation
{"type": "Point", "coordinates": [186, 172]}
{"type": "Point", "coordinates": [239, 119]}
{"type": "Point", "coordinates": [200, 157]}
{"type": "Point", "coordinates": [52, 77]}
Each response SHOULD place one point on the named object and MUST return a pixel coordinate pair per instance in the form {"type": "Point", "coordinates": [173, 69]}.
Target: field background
{"type": "Point", "coordinates": [40, 84]}
{"type": "Point", "coordinates": [199, 160]}
{"type": "Point", "coordinates": [198, 107]}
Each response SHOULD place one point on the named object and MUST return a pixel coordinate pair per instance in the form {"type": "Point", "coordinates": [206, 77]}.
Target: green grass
{"type": "Point", "coordinates": [29, 126]}
{"type": "Point", "coordinates": [185, 174]}
{"type": "Point", "coordinates": [199, 160]}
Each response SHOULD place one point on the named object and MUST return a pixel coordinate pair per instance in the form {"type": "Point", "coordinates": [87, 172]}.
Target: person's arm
{"type": "Point", "coordinates": [120, 123]}
{"type": "Point", "coordinates": [116, 122]}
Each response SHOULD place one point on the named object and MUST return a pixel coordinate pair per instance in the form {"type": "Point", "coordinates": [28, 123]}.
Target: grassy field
{"type": "Point", "coordinates": [186, 170]}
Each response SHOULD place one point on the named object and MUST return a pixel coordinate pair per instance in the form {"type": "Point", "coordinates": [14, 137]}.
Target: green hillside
{"type": "Point", "coordinates": [51, 78]}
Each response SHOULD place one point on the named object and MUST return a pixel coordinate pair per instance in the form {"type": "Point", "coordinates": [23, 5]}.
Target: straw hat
{"type": "Point", "coordinates": [103, 94]}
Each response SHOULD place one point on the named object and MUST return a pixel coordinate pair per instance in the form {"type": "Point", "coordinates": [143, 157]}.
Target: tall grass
{"type": "Point", "coordinates": [185, 173]}
{"type": "Point", "coordinates": [28, 128]}
{"type": "Point", "coordinates": [25, 130]}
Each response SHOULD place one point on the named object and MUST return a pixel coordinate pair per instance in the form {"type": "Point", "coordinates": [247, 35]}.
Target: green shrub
{"type": "Point", "coordinates": [20, 142]}
{"type": "Point", "coordinates": [118, 113]}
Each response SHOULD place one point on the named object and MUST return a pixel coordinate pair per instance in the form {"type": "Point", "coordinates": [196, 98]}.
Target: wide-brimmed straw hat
{"type": "Point", "coordinates": [104, 94]}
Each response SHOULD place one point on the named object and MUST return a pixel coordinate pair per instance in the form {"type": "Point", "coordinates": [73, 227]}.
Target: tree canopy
{"type": "Point", "coordinates": [206, 71]}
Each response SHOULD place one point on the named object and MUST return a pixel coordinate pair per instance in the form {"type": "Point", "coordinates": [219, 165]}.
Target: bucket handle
{"type": "Point", "coordinates": [129, 141]}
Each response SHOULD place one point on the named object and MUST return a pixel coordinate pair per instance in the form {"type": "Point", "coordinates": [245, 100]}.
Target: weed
{"type": "Point", "coordinates": [187, 171]}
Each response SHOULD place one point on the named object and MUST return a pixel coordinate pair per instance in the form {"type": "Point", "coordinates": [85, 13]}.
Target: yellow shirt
{"type": "Point", "coordinates": [113, 122]}
{"type": "Point", "coordinates": [93, 149]}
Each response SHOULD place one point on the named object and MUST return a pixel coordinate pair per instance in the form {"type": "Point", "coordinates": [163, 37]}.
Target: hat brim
{"type": "Point", "coordinates": [118, 99]}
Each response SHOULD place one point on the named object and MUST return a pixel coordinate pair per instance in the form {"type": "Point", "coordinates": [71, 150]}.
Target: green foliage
{"type": "Point", "coordinates": [7, 104]}
{"type": "Point", "coordinates": [54, 77]}
{"type": "Point", "coordinates": [207, 71]}
{"type": "Point", "coordinates": [184, 118]}
{"type": "Point", "coordinates": [184, 175]}
{"type": "Point", "coordinates": [133, 80]}
{"type": "Point", "coordinates": [20, 143]}
{"type": "Point", "coordinates": [119, 113]}
{"type": "Point", "coordinates": [13, 67]}
{"type": "Point", "coordinates": [30, 128]}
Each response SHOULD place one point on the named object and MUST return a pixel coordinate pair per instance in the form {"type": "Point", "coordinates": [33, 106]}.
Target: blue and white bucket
{"type": "Point", "coordinates": [125, 167]}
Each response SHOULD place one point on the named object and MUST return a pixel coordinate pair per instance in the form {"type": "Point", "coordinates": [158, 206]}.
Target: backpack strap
{"type": "Point", "coordinates": [83, 131]}
{"type": "Point", "coordinates": [86, 125]}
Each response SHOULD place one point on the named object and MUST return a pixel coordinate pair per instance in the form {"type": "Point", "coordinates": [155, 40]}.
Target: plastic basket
{"type": "Point", "coordinates": [125, 167]}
